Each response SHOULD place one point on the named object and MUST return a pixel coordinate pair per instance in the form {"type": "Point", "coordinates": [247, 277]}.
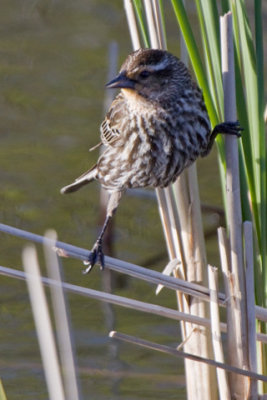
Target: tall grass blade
{"type": "Point", "coordinates": [263, 148]}
{"type": "Point", "coordinates": [138, 5]}
{"type": "Point", "coordinates": [210, 16]}
{"type": "Point", "coordinates": [195, 57]}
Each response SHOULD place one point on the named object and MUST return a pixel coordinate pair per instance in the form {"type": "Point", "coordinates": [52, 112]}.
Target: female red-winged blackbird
{"type": "Point", "coordinates": [156, 126]}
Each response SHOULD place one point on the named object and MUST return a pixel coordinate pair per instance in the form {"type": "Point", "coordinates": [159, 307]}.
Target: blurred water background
{"type": "Point", "coordinates": [53, 68]}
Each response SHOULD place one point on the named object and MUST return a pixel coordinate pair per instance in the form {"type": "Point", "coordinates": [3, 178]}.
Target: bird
{"type": "Point", "coordinates": [156, 126]}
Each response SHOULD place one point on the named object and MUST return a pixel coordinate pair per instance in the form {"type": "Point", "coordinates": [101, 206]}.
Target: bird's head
{"type": "Point", "coordinates": [153, 74]}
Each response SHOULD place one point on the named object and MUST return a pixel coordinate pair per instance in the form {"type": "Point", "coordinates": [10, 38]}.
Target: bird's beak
{"type": "Point", "coordinates": [121, 81]}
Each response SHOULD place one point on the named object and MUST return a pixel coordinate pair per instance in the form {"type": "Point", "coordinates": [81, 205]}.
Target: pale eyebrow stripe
{"type": "Point", "coordinates": [153, 67]}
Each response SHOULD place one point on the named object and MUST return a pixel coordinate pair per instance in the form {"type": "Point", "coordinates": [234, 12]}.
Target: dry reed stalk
{"type": "Point", "coordinates": [169, 224]}
{"type": "Point", "coordinates": [124, 302]}
{"type": "Point", "coordinates": [43, 324]}
{"type": "Point", "coordinates": [133, 30]}
{"type": "Point", "coordinates": [178, 269]}
{"type": "Point", "coordinates": [117, 265]}
{"type": "Point", "coordinates": [115, 299]}
{"type": "Point", "coordinates": [188, 249]}
{"type": "Point", "coordinates": [224, 249]}
{"type": "Point", "coordinates": [159, 24]}
{"type": "Point", "coordinates": [174, 352]}
{"type": "Point", "coordinates": [164, 196]}
{"type": "Point", "coordinates": [238, 315]}
{"type": "Point", "coordinates": [63, 326]}
{"type": "Point", "coordinates": [250, 288]}
{"type": "Point", "coordinates": [193, 246]}
{"type": "Point", "coordinates": [152, 27]}
{"type": "Point", "coordinates": [187, 196]}
{"type": "Point", "coordinates": [224, 391]}
{"type": "Point", "coordinates": [130, 15]}
{"type": "Point", "coordinates": [236, 382]}
{"type": "Point", "coordinates": [124, 267]}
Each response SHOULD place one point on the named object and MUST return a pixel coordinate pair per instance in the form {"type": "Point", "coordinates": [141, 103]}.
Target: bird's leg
{"type": "Point", "coordinates": [97, 254]}
{"type": "Point", "coordinates": [225, 128]}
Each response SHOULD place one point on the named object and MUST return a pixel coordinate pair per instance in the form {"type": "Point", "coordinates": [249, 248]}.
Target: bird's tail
{"type": "Point", "coordinates": [85, 178]}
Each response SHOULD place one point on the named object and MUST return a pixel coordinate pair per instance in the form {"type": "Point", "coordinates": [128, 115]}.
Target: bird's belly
{"type": "Point", "coordinates": [126, 167]}
{"type": "Point", "coordinates": [148, 160]}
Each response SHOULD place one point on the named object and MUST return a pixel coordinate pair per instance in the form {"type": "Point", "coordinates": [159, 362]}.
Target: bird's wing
{"type": "Point", "coordinates": [110, 127]}
{"type": "Point", "coordinates": [109, 134]}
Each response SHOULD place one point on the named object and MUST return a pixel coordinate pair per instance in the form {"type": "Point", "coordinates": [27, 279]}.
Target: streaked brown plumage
{"type": "Point", "coordinates": [156, 126]}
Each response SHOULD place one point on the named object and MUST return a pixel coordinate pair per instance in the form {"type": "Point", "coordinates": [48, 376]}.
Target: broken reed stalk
{"type": "Point", "coordinates": [238, 341]}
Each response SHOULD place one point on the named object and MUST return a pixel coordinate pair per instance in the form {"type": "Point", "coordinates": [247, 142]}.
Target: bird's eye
{"type": "Point", "coordinates": [144, 74]}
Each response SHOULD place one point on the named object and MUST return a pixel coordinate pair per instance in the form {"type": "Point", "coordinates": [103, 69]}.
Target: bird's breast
{"type": "Point", "coordinates": [155, 144]}
{"type": "Point", "coordinates": [136, 103]}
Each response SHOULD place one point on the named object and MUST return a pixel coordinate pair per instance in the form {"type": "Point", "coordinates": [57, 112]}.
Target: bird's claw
{"type": "Point", "coordinates": [96, 256]}
{"type": "Point", "coordinates": [231, 128]}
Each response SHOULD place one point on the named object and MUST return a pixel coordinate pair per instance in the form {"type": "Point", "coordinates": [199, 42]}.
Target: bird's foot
{"type": "Point", "coordinates": [96, 256]}
{"type": "Point", "coordinates": [229, 128]}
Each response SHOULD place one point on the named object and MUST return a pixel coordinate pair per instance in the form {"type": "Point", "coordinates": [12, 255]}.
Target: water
{"type": "Point", "coordinates": [52, 73]}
